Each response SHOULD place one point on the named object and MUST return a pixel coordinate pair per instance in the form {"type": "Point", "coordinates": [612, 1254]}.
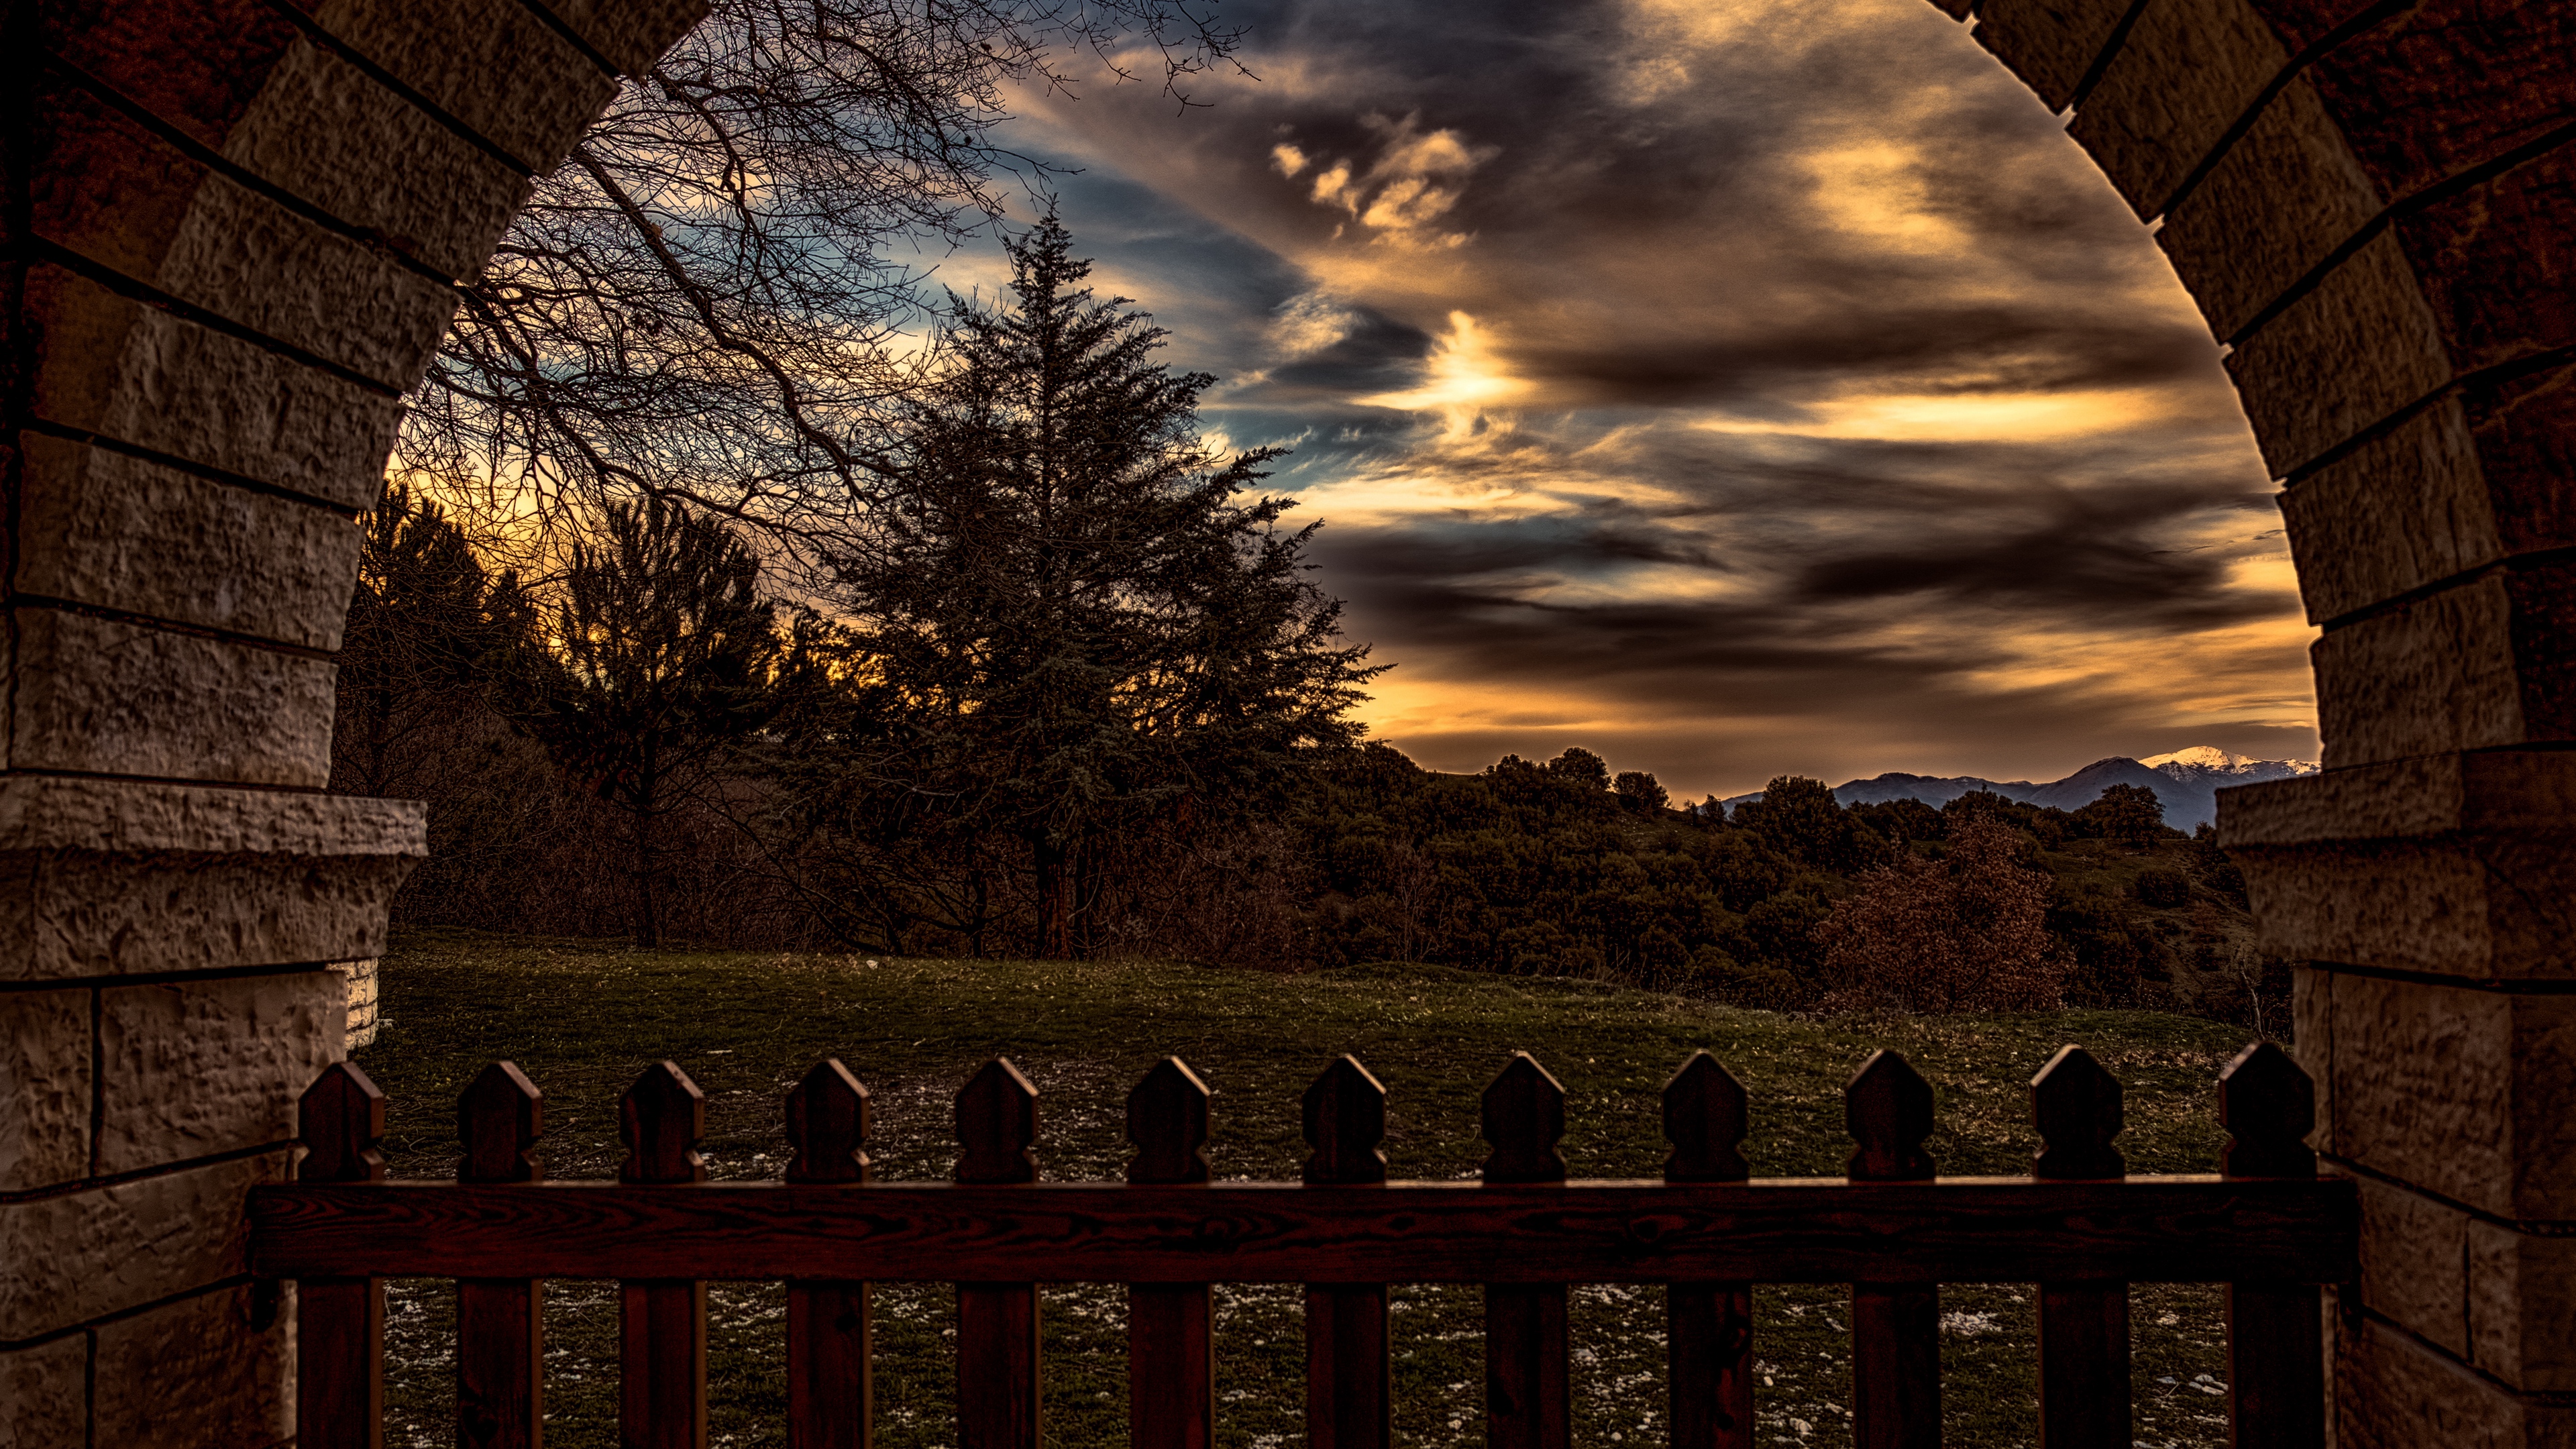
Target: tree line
{"type": "Point", "coordinates": [1072, 691]}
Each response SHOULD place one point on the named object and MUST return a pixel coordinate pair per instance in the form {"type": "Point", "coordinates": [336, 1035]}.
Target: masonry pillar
{"type": "Point", "coordinates": [232, 229]}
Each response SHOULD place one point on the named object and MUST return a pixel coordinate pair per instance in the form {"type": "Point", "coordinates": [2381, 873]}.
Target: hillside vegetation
{"type": "Point", "coordinates": [584, 1019]}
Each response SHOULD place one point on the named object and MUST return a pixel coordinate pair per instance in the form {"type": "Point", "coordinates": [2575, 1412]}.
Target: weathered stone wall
{"type": "Point", "coordinates": [232, 229]}
{"type": "Point", "coordinates": [2375, 206]}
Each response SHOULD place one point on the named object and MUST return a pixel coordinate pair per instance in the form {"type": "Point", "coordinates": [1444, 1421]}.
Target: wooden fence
{"type": "Point", "coordinates": [2268, 1226]}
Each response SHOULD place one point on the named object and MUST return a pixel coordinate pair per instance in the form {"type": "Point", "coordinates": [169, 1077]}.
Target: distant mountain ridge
{"type": "Point", "coordinates": [2186, 783]}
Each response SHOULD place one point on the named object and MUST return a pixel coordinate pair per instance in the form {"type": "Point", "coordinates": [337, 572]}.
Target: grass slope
{"type": "Point", "coordinates": [584, 1019]}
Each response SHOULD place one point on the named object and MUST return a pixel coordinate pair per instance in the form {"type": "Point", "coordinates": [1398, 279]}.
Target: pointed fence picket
{"type": "Point", "coordinates": [2268, 1226]}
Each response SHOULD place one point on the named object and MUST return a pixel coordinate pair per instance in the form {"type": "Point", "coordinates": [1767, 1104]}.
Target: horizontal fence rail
{"type": "Point", "coordinates": [2078, 1227]}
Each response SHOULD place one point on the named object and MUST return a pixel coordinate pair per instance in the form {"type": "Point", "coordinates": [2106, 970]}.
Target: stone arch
{"type": "Point", "coordinates": [232, 225]}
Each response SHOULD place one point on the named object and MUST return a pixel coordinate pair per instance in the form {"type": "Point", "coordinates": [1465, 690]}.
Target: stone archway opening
{"type": "Point", "coordinates": [232, 225]}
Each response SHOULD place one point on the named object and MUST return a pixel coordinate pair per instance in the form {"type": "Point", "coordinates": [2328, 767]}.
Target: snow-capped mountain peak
{"type": "Point", "coordinates": [2207, 757]}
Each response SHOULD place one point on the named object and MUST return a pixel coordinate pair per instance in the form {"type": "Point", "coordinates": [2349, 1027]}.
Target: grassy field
{"type": "Point", "coordinates": [585, 1018]}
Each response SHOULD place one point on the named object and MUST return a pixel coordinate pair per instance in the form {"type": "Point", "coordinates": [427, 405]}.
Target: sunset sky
{"type": "Point", "coordinates": [1734, 389]}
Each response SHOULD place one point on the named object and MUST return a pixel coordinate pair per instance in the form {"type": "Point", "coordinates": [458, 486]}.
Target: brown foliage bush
{"type": "Point", "coordinates": [1967, 932]}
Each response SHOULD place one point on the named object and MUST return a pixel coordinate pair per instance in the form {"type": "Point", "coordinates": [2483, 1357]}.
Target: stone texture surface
{"type": "Point", "coordinates": [2312, 1023]}
{"type": "Point", "coordinates": [2399, 1394]}
{"type": "Point", "coordinates": [360, 997]}
{"type": "Point", "coordinates": [85, 914]}
{"type": "Point", "coordinates": [2404, 511]}
{"type": "Point", "coordinates": [2451, 84]}
{"type": "Point", "coordinates": [2414, 1263]}
{"type": "Point", "coordinates": [84, 1255]}
{"type": "Point", "coordinates": [44, 1088]}
{"type": "Point", "coordinates": [2499, 262]}
{"type": "Point", "coordinates": [2424, 796]}
{"type": "Point", "coordinates": [2522, 1297]}
{"type": "Point", "coordinates": [2050, 44]}
{"type": "Point", "coordinates": [197, 1372]}
{"type": "Point", "coordinates": [2360, 347]}
{"type": "Point", "coordinates": [143, 817]}
{"type": "Point", "coordinates": [111, 367]}
{"type": "Point", "coordinates": [44, 1395]}
{"type": "Point", "coordinates": [2187, 71]}
{"type": "Point", "coordinates": [2525, 429]}
{"type": "Point", "coordinates": [491, 64]}
{"type": "Point", "coordinates": [196, 67]}
{"type": "Point", "coordinates": [2285, 196]}
{"type": "Point", "coordinates": [104, 697]}
{"type": "Point", "coordinates": [315, 130]}
{"type": "Point", "coordinates": [632, 35]}
{"type": "Point", "coordinates": [2435, 675]}
{"type": "Point", "coordinates": [2465, 1093]}
{"type": "Point", "coordinates": [111, 877]}
{"type": "Point", "coordinates": [108, 529]}
{"type": "Point", "coordinates": [194, 1068]}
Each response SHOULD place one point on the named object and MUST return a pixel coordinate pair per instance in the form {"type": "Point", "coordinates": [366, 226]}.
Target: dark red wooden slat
{"type": "Point", "coordinates": [1347, 1401]}
{"type": "Point", "coordinates": [662, 1349]}
{"type": "Point", "coordinates": [1962, 1230]}
{"type": "Point", "coordinates": [830, 1383]}
{"type": "Point", "coordinates": [2276, 1366]}
{"type": "Point", "coordinates": [997, 1322]}
{"type": "Point", "coordinates": [1896, 1349]}
{"type": "Point", "coordinates": [2083, 1327]}
{"type": "Point", "coordinates": [1171, 1361]}
{"type": "Point", "coordinates": [1709, 1326]}
{"type": "Point", "coordinates": [340, 1322]}
{"type": "Point", "coordinates": [500, 1336]}
{"type": "Point", "coordinates": [1526, 1376]}
{"type": "Point", "coordinates": [2275, 1331]}
{"type": "Point", "coordinates": [1896, 1367]}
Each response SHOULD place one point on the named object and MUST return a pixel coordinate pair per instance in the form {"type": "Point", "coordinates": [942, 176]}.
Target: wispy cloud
{"type": "Point", "coordinates": [1733, 389]}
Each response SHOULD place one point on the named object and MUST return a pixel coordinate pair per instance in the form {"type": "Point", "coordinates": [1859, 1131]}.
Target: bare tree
{"type": "Point", "coordinates": [1967, 932]}
{"type": "Point", "coordinates": [706, 301]}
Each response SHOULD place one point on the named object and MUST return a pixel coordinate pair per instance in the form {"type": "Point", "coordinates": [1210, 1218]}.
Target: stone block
{"type": "Point", "coordinates": [141, 376]}
{"type": "Point", "coordinates": [2312, 1022]}
{"type": "Point", "coordinates": [493, 65]}
{"type": "Point", "coordinates": [2481, 665]}
{"type": "Point", "coordinates": [195, 67]}
{"type": "Point", "coordinates": [2461, 864]}
{"type": "Point", "coordinates": [2402, 511]}
{"type": "Point", "coordinates": [2449, 85]}
{"type": "Point", "coordinates": [44, 1088]}
{"type": "Point", "coordinates": [2345, 356]}
{"type": "Point", "coordinates": [2393, 1392]}
{"type": "Point", "coordinates": [318, 129]}
{"type": "Point", "coordinates": [2498, 262]}
{"type": "Point", "coordinates": [108, 877]}
{"type": "Point", "coordinates": [245, 258]}
{"type": "Point", "coordinates": [2050, 44]}
{"type": "Point", "coordinates": [2522, 1297]}
{"type": "Point", "coordinates": [197, 1372]}
{"type": "Point", "coordinates": [2525, 430]}
{"type": "Point", "coordinates": [631, 36]}
{"type": "Point", "coordinates": [2465, 1093]}
{"type": "Point", "coordinates": [2414, 1263]}
{"type": "Point", "coordinates": [194, 1068]}
{"type": "Point", "coordinates": [44, 1395]}
{"type": "Point", "coordinates": [360, 995]}
{"type": "Point", "coordinates": [83, 1255]}
{"type": "Point", "coordinates": [2435, 675]}
{"type": "Point", "coordinates": [2184, 75]}
{"type": "Point", "coordinates": [108, 529]}
{"type": "Point", "coordinates": [104, 697]}
{"type": "Point", "coordinates": [2283, 198]}
{"type": "Point", "coordinates": [125, 199]}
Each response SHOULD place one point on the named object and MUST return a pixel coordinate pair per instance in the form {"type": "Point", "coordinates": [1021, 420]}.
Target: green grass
{"type": "Point", "coordinates": [584, 1018]}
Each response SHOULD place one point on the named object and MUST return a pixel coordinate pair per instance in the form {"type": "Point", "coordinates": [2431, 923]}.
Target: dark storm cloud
{"type": "Point", "coordinates": [1766, 386]}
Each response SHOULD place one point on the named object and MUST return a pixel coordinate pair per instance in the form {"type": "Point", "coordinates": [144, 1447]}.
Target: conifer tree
{"type": "Point", "coordinates": [660, 659]}
{"type": "Point", "coordinates": [1076, 620]}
